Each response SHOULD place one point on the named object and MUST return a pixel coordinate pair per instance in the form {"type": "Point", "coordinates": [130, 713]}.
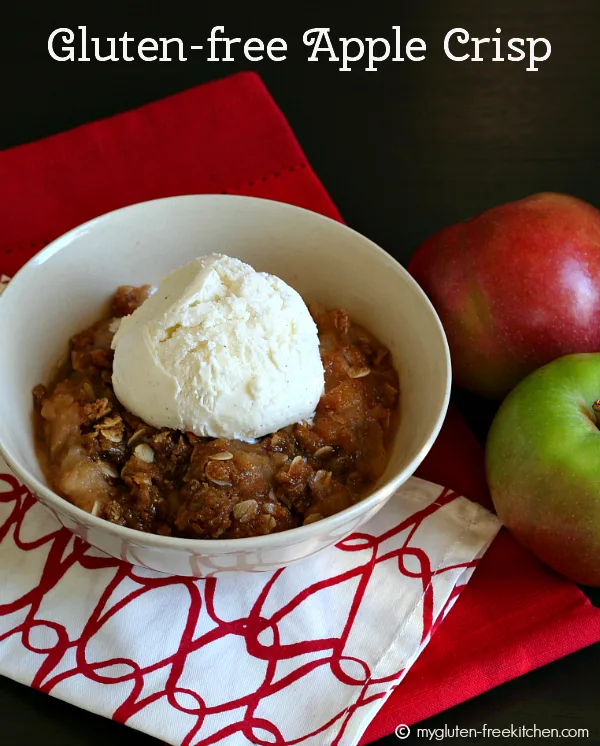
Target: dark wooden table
{"type": "Point", "coordinates": [403, 151]}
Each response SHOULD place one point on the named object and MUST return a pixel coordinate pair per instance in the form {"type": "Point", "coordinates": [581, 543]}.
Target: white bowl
{"type": "Point", "coordinates": [66, 286]}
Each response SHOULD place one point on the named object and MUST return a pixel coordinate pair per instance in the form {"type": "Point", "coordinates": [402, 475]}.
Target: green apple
{"type": "Point", "coordinates": [543, 465]}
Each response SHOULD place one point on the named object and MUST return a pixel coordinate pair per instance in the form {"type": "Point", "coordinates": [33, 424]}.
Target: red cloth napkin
{"type": "Point", "coordinates": [516, 614]}
{"type": "Point", "coordinates": [229, 136]}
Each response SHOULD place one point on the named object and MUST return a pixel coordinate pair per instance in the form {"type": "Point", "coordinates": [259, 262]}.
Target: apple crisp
{"type": "Point", "coordinates": [110, 463]}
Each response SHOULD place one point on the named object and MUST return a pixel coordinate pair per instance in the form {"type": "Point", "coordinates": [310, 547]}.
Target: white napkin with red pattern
{"type": "Point", "coordinates": [305, 655]}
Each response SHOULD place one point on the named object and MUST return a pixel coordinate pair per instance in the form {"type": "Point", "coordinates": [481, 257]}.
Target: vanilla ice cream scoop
{"type": "Point", "coordinates": [220, 350]}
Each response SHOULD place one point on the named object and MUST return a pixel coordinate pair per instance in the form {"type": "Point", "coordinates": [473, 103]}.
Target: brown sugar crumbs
{"type": "Point", "coordinates": [107, 461]}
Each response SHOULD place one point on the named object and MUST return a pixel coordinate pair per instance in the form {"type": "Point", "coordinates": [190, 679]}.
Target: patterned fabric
{"type": "Point", "coordinates": [229, 136]}
{"type": "Point", "coordinates": [226, 660]}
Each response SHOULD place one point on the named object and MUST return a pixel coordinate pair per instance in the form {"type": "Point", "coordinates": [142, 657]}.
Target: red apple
{"type": "Point", "coordinates": [515, 287]}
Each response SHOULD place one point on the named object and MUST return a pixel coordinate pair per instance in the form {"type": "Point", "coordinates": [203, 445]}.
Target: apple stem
{"type": "Point", "coordinates": [596, 410]}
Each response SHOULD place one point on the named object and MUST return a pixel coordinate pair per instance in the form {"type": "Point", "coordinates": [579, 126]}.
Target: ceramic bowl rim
{"type": "Point", "coordinates": [222, 546]}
